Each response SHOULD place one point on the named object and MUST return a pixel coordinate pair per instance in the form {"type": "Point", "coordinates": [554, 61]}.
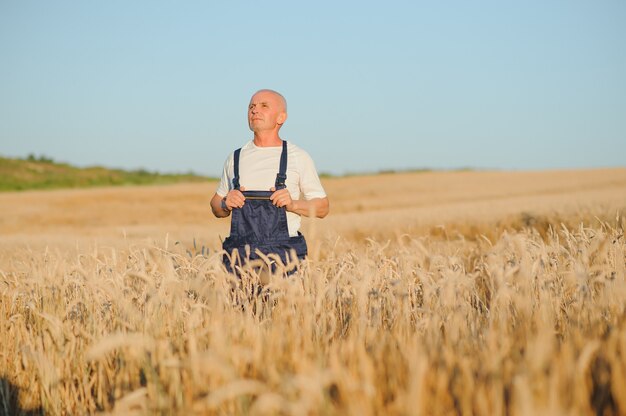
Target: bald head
{"type": "Point", "coordinates": [278, 95]}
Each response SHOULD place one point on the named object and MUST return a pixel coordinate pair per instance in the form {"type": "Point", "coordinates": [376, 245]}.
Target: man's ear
{"type": "Point", "coordinates": [282, 117]}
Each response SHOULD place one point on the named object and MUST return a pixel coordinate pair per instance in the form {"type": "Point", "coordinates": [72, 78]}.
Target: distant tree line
{"type": "Point", "coordinates": [43, 159]}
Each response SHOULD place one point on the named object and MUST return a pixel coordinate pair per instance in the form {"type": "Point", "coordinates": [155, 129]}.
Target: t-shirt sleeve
{"type": "Point", "coordinates": [226, 180]}
{"type": "Point", "coordinates": [310, 184]}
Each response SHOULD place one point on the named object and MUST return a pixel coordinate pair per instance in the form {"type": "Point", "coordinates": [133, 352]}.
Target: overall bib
{"type": "Point", "coordinates": [259, 226]}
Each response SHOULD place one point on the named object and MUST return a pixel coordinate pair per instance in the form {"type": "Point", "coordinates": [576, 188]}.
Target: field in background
{"type": "Point", "coordinates": [44, 173]}
{"type": "Point", "coordinates": [425, 293]}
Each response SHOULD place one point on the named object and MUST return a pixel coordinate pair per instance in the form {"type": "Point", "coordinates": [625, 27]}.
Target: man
{"type": "Point", "coordinates": [261, 185]}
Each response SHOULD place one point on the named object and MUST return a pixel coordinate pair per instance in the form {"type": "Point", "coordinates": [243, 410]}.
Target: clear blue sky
{"type": "Point", "coordinates": [370, 85]}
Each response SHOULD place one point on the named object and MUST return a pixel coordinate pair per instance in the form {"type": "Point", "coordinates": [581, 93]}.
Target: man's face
{"type": "Point", "coordinates": [265, 111]}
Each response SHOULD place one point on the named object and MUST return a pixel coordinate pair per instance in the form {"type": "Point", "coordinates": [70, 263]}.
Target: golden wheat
{"type": "Point", "coordinates": [531, 322]}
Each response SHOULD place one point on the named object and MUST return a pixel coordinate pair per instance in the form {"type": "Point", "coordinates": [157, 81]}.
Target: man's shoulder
{"type": "Point", "coordinates": [294, 148]}
{"type": "Point", "coordinates": [246, 146]}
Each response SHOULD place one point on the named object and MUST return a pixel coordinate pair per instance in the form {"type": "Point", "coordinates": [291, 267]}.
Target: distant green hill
{"type": "Point", "coordinates": [44, 173]}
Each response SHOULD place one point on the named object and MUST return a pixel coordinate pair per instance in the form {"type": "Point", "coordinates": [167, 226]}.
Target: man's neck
{"type": "Point", "coordinates": [267, 139]}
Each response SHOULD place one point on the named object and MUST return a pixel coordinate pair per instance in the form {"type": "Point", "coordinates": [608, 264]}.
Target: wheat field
{"type": "Point", "coordinates": [437, 293]}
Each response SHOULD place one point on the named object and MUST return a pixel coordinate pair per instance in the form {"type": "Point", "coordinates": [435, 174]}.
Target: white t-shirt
{"type": "Point", "coordinates": [258, 167]}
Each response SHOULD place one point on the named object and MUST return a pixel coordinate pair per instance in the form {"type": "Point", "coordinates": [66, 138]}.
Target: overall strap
{"type": "Point", "coordinates": [281, 177]}
{"type": "Point", "coordinates": [236, 168]}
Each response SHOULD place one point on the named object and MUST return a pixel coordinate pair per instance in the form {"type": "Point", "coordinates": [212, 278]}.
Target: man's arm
{"type": "Point", "coordinates": [233, 199]}
{"type": "Point", "coordinates": [216, 207]}
{"type": "Point", "coordinates": [314, 207]}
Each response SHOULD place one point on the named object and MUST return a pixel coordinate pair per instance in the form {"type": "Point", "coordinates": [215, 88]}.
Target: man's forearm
{"type": "Point", "coordinates": [316, 207]}
{"type": "Point", "coordinates": [216, 207]}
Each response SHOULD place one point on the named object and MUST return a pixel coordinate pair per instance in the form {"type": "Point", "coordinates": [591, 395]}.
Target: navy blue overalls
{"type": "Point", "coordinates": [259, 225]}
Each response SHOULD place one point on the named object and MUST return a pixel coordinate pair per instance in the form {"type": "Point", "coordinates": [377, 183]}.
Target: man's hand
{"type": "Point", "coordinates": [234, 199]}
{"type": "Point", "coordinates": [282, 198]}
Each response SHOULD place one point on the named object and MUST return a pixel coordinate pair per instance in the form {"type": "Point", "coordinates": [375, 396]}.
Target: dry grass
{"type": "Point", "coordinates": [513, 311]}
